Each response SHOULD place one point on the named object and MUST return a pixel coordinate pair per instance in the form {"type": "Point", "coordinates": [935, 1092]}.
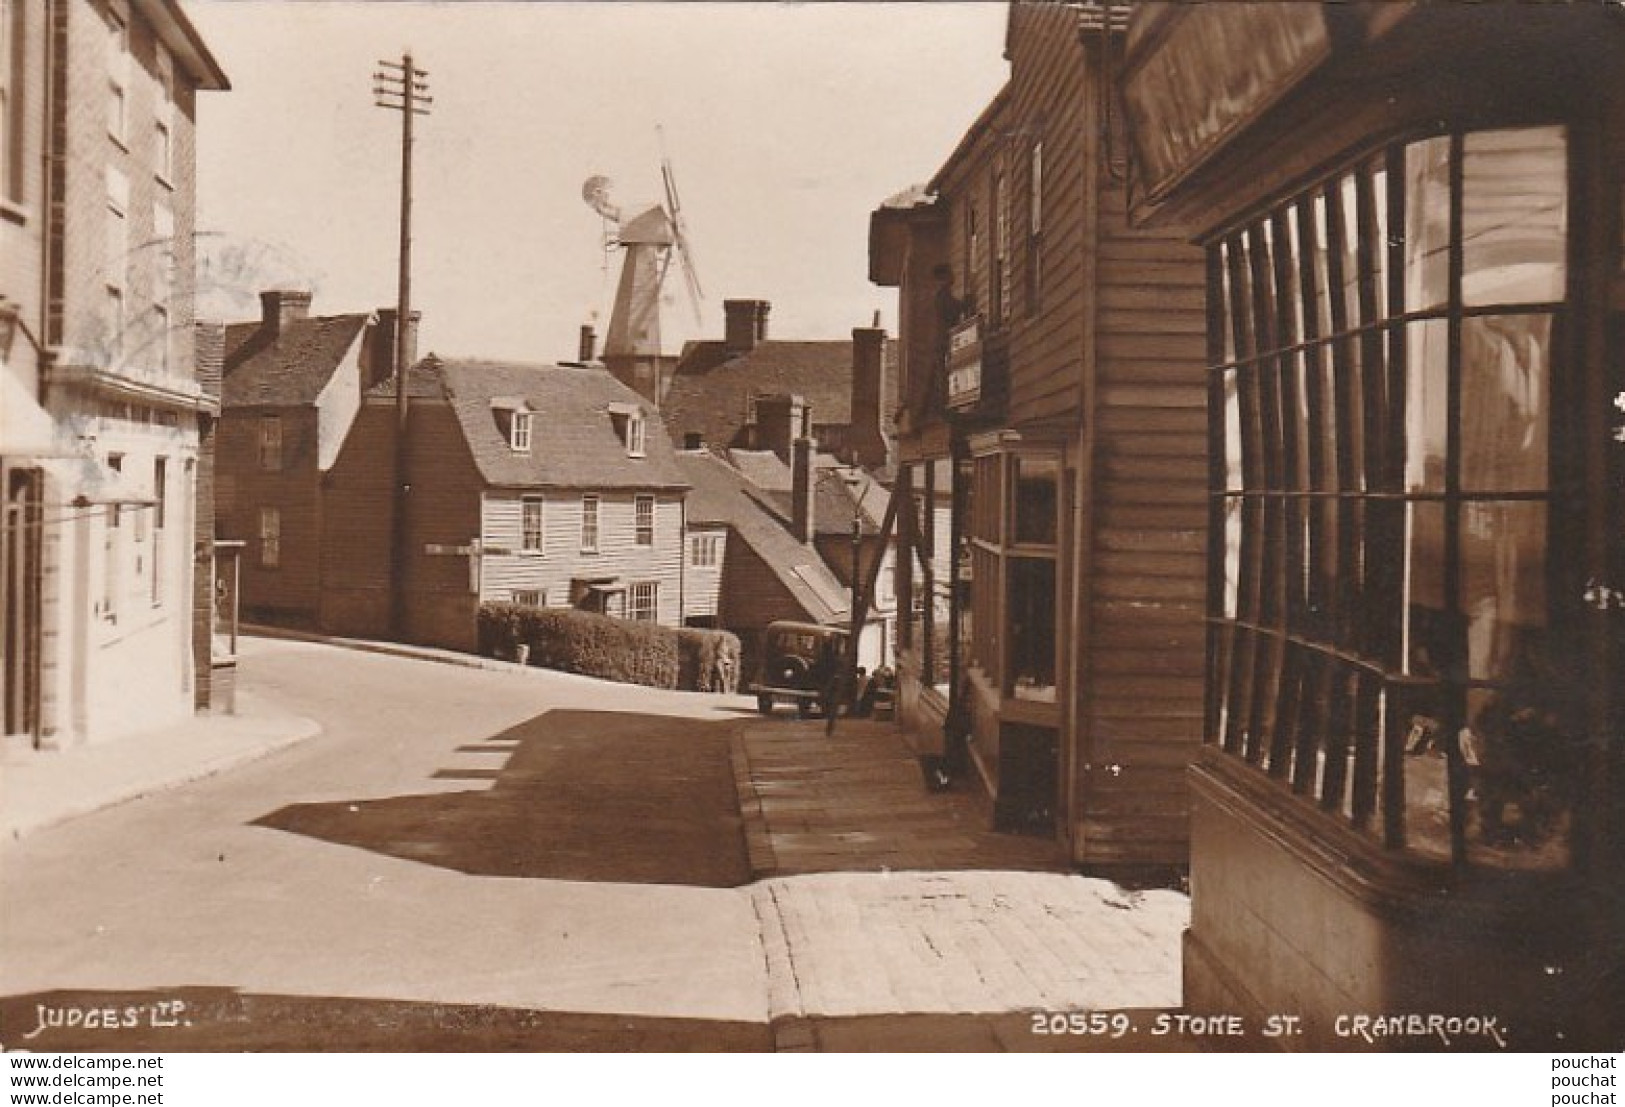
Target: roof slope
{"type": "Point", "coordinates": [710, 391]}
{"type": "Point", "coordinates": [722, 495]}
{"type": "Point", "coordinates": [289, 368]}
{"type": "Point", "coordinates": [574, 442]}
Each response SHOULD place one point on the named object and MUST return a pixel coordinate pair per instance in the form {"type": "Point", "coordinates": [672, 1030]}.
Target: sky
{"type": "Point", "coordinates": [786, 125]}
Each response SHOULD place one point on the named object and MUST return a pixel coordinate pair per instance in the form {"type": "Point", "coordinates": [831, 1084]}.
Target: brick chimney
{"type": "Point", "coordinates": [744, 324]}
{"type": "Point", "coordinates": [780, 420]}
{"type": "Point", "coordinates": [378, 346]}
{"type": "Point", "coordinates": [281, 306]}
{"type": "Point", "coordinates": [801, 491]}
{"type": "Point", "coordinates": [587, 345]}
{"type": "Point", "coordinates": [868, 440]}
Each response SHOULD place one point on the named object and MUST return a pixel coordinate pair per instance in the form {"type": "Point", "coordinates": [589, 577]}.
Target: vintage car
{"type": "Point", "coordinates": [799, 665]}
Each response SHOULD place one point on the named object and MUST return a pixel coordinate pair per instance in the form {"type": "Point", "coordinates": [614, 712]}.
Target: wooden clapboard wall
{"type": "Point", "coordinates": [1140, 662]}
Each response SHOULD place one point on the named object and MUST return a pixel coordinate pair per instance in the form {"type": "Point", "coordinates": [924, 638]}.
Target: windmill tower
{"type": "Point", "coordinates": [653, 236]}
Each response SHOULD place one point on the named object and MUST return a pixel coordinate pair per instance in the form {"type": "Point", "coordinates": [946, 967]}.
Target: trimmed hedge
{"type": "Point", "coordinates": [596, 645]}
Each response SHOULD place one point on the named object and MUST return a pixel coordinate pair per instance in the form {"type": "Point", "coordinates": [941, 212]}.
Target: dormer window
{"type": "Point", "coordinates": [513, 415]}
{"type": "Point", "coordinates": [630, 427]}
{"type": "Point", "coordinates": [519, 435]}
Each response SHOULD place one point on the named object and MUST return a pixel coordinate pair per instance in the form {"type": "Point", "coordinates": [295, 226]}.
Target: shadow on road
{"type": "Point", "coordinates": [585, 795]}
{"type": "Point", "coordinates": [224, 1019]}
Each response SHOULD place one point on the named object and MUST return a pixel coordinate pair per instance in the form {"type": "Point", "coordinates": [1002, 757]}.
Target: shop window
{"type": "Point", "coordinates": [1385, 630]}
{"type": "Point", "coordinates": [925, 570]}
{"type": "Point", "coordinates": [1014, 524]}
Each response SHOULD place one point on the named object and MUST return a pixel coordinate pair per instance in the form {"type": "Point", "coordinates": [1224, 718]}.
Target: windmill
{"type": "Point", "coordinates": [654, 237]}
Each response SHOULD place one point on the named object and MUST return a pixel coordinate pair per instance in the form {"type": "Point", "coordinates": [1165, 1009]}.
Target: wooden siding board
{"type": "Point", "coordinates": [562, 561]}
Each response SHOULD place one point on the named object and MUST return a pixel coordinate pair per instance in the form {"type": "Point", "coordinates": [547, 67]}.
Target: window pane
{"type": "Point", "coordinates": [1295, 427]}
{"type": "Point", "coordinates": [1505, 377]}
{"type": "Point", "coordinates": [1319, 259]}
{"type": "Point", "coordinates": [1289, 296]}
{"type": "Point", "coordinates": [1514, 216]}
{"type": "Point", "coordinates": [1233, 480]}
{"type": "Point", "coordinates": [1380, 239]}
{"type": "Point", "coordinates": [1031, 604]}
{"type": "Point", "coordinates": [1427, 651]}
{"type": "Point", "coordinates": [1226, 299]}
{"type": "Point", "coordinates": [1232, 556]}
{"type": "Point", "coordinates": [1521, 745]}
{"type": "Point", "coordinates": [1427, 224]}
{"type": "Point", "coordinates": [1503, 553]}
{"type": "Point", "coordinates": [1036, 500]}
{"type": "Point", "coordinates": [1426, 404]}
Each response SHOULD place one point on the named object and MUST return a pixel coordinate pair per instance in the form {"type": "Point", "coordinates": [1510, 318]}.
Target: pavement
{"type": "Point", "coordinates": [696, 877]}
{"type": "Point", "coordinates": [40, 788]}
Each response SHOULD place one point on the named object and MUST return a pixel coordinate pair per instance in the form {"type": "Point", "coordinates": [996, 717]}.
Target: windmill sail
{"type": "Point", "coordinates": [653, 236]}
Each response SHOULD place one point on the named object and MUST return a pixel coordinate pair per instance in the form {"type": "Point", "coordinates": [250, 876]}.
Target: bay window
{"type": "Point", "coordinates": [1384, 618]}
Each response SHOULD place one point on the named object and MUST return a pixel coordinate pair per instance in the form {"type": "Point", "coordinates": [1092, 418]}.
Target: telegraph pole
{"type": "Point", "coordinates": [401, 86]}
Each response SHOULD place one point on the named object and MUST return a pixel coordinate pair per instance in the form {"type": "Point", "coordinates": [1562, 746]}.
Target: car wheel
{"type": "Point", "coordinates": [764, 704]}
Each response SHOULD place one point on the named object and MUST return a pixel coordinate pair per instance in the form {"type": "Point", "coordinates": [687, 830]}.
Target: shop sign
{"type": "Point", "coordinates": [965, 364]}
{"type": "Point", "coordinates": [1218, 67]}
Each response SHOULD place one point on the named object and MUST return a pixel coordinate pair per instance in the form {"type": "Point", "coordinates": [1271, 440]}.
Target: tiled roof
{"type": "Point", "coordinates": [722, 495]}
{"type": "Point", "coordinates": [763, 468]}
{"type": "Point", "coordinates": [710, 391]}
{"type": "Point", "coordinates": [574, 442]}
{"type": "Point", "coordinates": [290, 368]}
{"type": "Point", "coordinates": [834, 494]}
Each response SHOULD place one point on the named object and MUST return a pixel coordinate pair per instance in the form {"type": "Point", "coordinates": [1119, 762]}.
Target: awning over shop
{"type": "Point", "coordinates": [26, 428]}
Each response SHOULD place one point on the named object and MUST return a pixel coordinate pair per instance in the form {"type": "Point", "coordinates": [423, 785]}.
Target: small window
{"type": "Point", "coordinates": [519, 434]}
{"type": "Point", "coordinates": [644, 602]}
{"type": "Point", "coordinates": [115, 320]}
{"type": "Point", "coordinates": [115, 112]}
{"type": "Point", "coordinates": [693, 440]}
{"type": "Point", "coordinates": [644, 520]}
{"type": "Point", "coordinates": [589, 524]}
{"type": "Point", "coordinates": [160, 490]}
{"type": "Point", "coordinates": [634, 435]}
{"type": "Point", "coordinates": [703, 550]}
{"type": "Point", "coordinates": [164, 348]}
{"type": "Point", "coordinates": [530, 597]}
{"type": "Point", "coordinates": [13, 62]}
{"type": "Point", "coordinates": [530, 524]}
{"type": "Point", "coordinates": [271, 443]}
{"type": "Point", "coordinates": [270, 537]}
{"type": "Point", "coordinates": [164, 152]}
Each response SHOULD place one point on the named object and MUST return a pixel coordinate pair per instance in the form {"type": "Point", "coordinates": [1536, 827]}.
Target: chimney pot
{"type": "Point", "coordinates": [587, 348]}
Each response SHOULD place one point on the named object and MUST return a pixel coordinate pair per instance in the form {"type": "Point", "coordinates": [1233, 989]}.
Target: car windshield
{"type": "Point", "coordinates": [797, 642]}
